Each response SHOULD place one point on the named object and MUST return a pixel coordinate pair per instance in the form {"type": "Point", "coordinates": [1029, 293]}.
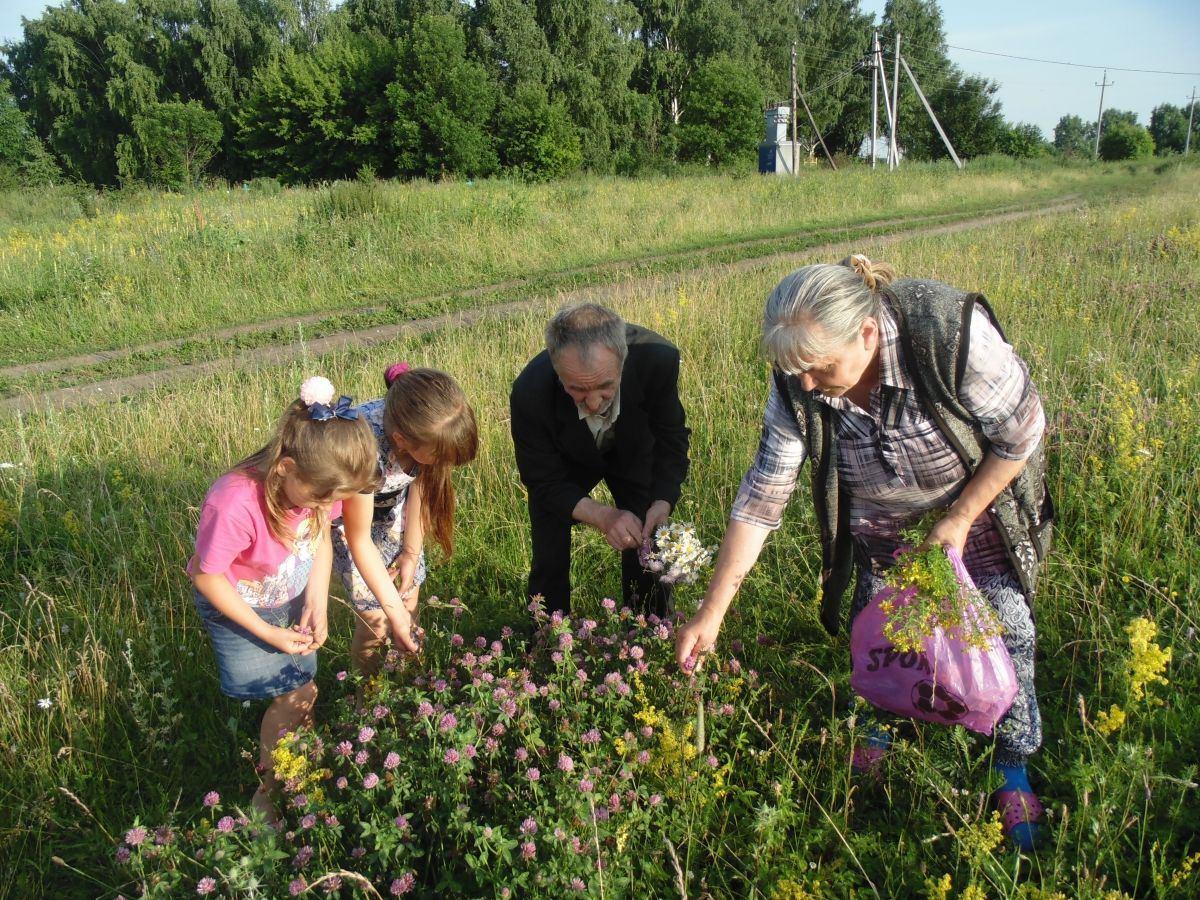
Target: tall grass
{"type": "Point", "coordinates": [98, 507]}
{"type": "Point", "coordinates": [80, 273]}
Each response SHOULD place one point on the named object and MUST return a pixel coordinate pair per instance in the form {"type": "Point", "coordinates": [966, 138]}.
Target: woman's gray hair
{"type": "Point", "coordinates": [819, 309]}
{"type": "Point", "coordinates": [584, 326]}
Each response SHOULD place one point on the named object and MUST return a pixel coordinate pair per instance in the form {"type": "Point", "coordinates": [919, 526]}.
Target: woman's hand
{"type": "Point", "coordinates": [696, 638]}
{"type": "Point", "coordinates": [286, 640]}
{"type": "Point", "coordinates": [950, 531]}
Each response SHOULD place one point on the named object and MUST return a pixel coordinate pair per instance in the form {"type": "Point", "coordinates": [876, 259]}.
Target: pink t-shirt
{"type": "Point", "coordinates": [235, 540]}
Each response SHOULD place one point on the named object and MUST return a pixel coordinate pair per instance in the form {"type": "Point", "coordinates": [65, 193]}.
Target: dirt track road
{"type": "Point", "coordinates": [117, 388]}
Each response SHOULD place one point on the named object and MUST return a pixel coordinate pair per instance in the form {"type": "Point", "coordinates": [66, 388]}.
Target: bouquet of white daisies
{"type": "Point", "coordinates": [675, 554]}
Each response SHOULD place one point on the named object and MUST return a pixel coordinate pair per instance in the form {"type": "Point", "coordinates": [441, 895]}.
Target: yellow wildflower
{"type": "Point", "coordinates": [1110, 721]}
{"type": "Point", "coordinates": [974, 892]}
{"type": "Point", "coordinates": [977, 841]}
{"type": "Point", "coordinates": [1147, 661]}
{"type": "Point", "coordinates": [939, 889]}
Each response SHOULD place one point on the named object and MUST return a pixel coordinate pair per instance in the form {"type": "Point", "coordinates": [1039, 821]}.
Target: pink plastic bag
{"type": "Point", "coordinates": [950, 682]}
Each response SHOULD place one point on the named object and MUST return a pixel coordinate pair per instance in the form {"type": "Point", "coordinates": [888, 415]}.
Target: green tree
{"type": "Point", "coordinates": [171, 145]}
{"type": "Point", "coordinates": [834, 38]}
{"type": "Point", "coordinates": [507, 38]}
{"type": "Point", "coordinates": [24, 161]}
{"type": "Point", "coordinates": [596, 50]}
{"type": "Point", "coordinates": [1124, 140]}
{"type": "Point", "coordinates": [442, 102]}
{"type": "Point", "coordinates": [1168, 127]}
{"type": "Point", "coordinates": [86, 68]}
{"type": "Point", "coordinates": [965, 104]}
{"type": "Point", "coordinates": [1113, 116]}
{"type": "Point", "coordinates": [537, 138]}
{"type": "Point", "coordinates": [720, 122]}
{"type": "Point", "coordinates": [1023, 141]}
{"type": "Point", "coordinates": [321, 114]}
{"type": "Point", "coordinates": [1071, 137]}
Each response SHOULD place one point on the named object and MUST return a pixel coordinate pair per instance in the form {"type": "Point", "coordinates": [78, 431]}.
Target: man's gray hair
{"type": "Point", "coordinates": [815, 311]}
{"type": "Point", "coordinates": [585, 326]}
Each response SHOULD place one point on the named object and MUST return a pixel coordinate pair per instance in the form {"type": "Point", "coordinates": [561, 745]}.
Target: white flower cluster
{"type": "Point", "coordinates": [676, 555]}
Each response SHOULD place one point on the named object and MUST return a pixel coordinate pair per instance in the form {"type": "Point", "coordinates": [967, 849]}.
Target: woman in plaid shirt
{"type": "Point", "coordinates": [838, 332]}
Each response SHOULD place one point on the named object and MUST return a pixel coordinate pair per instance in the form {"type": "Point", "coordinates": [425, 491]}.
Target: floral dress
{"type": "Point", "coordinates": [387, 526]}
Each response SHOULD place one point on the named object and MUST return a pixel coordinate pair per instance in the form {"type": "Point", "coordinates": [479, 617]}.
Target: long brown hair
{"type": "Point", "coordinates": [428, 408]}
{"type": "Point", "coordinates": [332, 457]}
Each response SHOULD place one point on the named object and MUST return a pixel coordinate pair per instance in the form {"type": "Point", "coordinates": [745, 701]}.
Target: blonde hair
{"type": "Point", "coordinates": [428, 407]}
{"type": "Point", "coordinates": [819, 308]}
{"type": "Point", "coordinates": [336, 456]}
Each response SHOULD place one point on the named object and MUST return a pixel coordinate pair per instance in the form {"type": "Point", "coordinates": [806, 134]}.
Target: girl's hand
{"type": "Point", "coordinates": [404, 634]}
{"type": "Point", "coordinates": [404, 572]}
{"type": "Point", "coordinates": [314, 621]}
{"type": "Point", "coordinates": [288, 641]}
{"type": "Point", "coordinates": [696, 638]}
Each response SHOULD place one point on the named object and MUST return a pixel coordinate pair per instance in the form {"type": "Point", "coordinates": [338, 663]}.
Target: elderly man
{"type": "Point", "coordinates": [600, 403]}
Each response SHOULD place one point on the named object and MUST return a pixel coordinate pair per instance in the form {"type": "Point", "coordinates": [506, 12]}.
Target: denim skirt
{"type": "Point", "coordinates": [250, 668]}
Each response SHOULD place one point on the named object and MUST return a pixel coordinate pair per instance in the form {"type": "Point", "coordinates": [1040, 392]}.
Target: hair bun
{"type": "Point", "coordinates": [394, 371]}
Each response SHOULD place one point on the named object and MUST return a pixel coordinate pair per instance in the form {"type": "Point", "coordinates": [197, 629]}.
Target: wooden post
{"type": "Point", "coordinates": [795, 90]}
{"type": "Point", "coordinates": [896, 104]}
{"type": "Point", "coordinates": [874, 93]}
{"type": "Point", "coordinates": [929, 109]}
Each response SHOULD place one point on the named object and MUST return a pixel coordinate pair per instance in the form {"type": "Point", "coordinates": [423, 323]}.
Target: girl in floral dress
{"type": "Point", "coordinates": [423, 428]}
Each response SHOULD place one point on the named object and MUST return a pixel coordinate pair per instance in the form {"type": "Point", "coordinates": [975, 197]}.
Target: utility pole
{"type": "Point", "coordinates": [887, 106]}
{"type": "Point", "coordinates": [1187, 142]}
{"type": "Point", "coordinates": [795, 160]}
{"type": "Point", "coordinates": [1102, 84]}
{"type": "Point", "coordinates": [896, 104]}
{"type": "Point", "coordinates": [929, 109]}
{"type": "Point", "coordinates": [813, 122]}
{"type": "Point", "coordinates": [874, 93]}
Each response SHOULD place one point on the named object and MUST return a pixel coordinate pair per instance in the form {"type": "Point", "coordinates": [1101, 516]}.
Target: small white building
{"type": "Point", "coordinates": [775, 151]}
{"type": "Point", "coordinates": [881, 148]}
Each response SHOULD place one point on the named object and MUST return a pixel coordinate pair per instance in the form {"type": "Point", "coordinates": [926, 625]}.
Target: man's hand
{"type": "Point", "coordinates": [623, 530]}
{"type": "Point", "coordinates": [656, 515]}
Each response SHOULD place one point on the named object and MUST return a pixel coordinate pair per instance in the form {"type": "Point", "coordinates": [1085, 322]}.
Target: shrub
{"type": "Point", "coordinates": [720, 120]}
{"type": "Point", "coordinates": [538, 141]}
{"type": "Point", "coordinates": [1125, 141]}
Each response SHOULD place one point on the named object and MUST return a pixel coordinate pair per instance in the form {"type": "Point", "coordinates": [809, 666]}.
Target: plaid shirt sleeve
{"type": "Point", "coordinates": [997, 390]}
{"type": "Point", "coordinates": [769, 483]}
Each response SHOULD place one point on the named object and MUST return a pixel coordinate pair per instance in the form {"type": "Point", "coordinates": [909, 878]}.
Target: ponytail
{"type": "Point", "coordinates": [876, 276]}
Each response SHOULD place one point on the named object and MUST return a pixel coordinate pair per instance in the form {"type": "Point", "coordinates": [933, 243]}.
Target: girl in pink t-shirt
{"type": "Point", "coordinates": [263, 559]}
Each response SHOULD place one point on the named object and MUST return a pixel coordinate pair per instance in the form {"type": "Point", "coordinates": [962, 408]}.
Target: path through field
{"type": "Point", "coordinates": [104, 390]}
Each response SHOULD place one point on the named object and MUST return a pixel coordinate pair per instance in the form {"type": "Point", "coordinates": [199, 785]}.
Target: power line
{"type": "Point", "coordinates": [1060, 62]}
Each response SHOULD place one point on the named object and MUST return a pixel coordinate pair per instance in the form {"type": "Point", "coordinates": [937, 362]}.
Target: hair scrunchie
{"type": "Point", "coordinates": [394, 371]}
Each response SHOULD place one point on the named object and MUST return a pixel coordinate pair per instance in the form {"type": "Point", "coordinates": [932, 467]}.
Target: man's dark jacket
{"type": "Point", "coordinates": [556, 451]}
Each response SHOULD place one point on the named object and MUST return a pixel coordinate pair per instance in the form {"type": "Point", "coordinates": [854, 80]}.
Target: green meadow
{"type": "Point", "coordinates": [98, 507]}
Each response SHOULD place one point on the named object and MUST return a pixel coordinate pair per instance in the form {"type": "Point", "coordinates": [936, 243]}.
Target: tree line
{"type": "Point", "coordinates": [1121, 137]}
{"type": "Point", "coordinates": [110, 92]}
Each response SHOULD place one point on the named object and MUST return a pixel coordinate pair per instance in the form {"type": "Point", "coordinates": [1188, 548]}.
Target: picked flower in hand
{"type": "Point", "coordinates": [675, 554]}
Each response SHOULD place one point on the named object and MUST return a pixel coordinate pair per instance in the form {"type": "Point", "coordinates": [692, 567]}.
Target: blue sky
{"type": "Point", "coordinates": [1140, 34]}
